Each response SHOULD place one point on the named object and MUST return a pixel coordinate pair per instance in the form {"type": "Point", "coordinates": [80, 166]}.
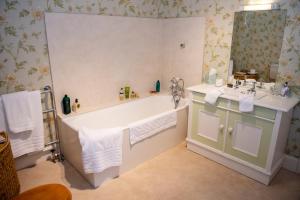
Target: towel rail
{"type": "Point", "coordinates": [56, 152]}
{"type": "Point", "coordinates": [48, 110]}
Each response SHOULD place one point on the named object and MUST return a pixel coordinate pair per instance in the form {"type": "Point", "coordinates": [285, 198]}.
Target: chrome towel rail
{"type": "Point", "coordinates": [56, 152]}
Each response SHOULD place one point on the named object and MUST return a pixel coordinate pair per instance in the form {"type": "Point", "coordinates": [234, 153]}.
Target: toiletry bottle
{"type": "Point", "coordinates": [127, 91]}
{"type": "Point", "coordinates": [121, 94]}
{"type": "Point", "coordinates": [132, 96]}
{"type": "Point", "coordinates": [285, 90]}
{"type": "Point", "coordinates": [78, 104]}
{"type": "Point", "coordinates": [66, 105]}
{"type": "Point", "coordinates": [157, 88]}
{"type": "Point", "coordinates": [74, 106]}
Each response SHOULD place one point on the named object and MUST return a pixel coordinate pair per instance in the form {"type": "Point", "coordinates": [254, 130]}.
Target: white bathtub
{"type": "Point", "coordinates": [120, 116]}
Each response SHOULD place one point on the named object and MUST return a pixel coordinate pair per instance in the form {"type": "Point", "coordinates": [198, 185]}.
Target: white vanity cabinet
{"type": "Point", "coordinates": [251, 143]}
{"type": "Point", "coordinates": [208, 122]}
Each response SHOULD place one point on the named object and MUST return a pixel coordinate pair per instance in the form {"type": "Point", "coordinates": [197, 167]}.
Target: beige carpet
{"type": "Point", "coordinates": [174, 174]}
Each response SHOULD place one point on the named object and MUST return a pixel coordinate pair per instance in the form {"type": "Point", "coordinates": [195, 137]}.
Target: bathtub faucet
{"type": "Point", "coordinates": [177, 89]}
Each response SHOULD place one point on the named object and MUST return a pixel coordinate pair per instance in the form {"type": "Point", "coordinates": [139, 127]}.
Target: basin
{"type": "Point", "coordinates": [235, 92]}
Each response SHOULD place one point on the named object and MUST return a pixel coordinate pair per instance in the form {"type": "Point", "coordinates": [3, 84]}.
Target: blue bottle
{"type": "Point", "coordinates": [157, 89]}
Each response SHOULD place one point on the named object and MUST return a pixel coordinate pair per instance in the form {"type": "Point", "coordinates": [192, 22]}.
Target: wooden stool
{"type": "Point", "coordinates": [46, 192]}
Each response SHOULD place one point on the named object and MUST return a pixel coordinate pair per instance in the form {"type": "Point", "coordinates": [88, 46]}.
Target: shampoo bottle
{"type": "Point", "coordinates": [157, 88]}
{"type": "Point", "coordinates": [77, 103]}
{"type": "Point", "coordinates": [127, 91]}
{"type": "Point", "coordinates": [121, 94]}
{"type": "Point", "coordinates": [66, 105]}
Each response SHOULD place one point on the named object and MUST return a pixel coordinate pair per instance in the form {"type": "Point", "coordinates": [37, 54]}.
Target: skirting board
{"type": "Point", "coordinates": [260, 176]}
{"type": "Point", "coordinates": [292, 163]}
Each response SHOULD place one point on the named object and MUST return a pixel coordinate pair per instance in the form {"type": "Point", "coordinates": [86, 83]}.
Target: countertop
{"type": "Point", "coordinates": [279, 103]}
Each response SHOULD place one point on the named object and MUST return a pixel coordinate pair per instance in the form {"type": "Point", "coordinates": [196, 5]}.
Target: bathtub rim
{"type": "Point", "coordinates": [66, 119]}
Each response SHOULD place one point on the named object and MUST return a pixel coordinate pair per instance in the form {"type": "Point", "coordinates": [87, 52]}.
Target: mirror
{"type": "Point", "coordinates": [256, 44]}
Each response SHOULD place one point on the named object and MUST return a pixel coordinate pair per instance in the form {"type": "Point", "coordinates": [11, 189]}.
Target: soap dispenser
{"type": "Point", "coordinates": [66, 105]}
{"type": "Point", "coordinates": [75, 106]}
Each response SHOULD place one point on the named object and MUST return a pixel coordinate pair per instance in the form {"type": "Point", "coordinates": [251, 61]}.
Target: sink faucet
{"type": "Point", "coordinates": [177, 89]}
{"type": "Point", "coordinates": [252, 89]}
{"type": "Point", "coordinates": [260, 83]}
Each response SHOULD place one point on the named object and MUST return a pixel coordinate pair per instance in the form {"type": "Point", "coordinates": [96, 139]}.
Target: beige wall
{"type": "Point", "coordinates": [184, 62]}
{"type": "Point", "coordinates": [92, 56]}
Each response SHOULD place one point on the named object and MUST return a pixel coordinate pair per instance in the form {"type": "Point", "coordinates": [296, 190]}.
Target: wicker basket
{"type": "Point", "coordinates": [9, 182]}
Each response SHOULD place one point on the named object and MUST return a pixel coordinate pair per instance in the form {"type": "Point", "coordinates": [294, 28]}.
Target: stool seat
{"type": "Point", "coordinates": [46, 192]}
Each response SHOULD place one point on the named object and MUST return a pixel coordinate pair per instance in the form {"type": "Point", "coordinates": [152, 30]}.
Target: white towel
{"type": "Point", "coordinates": [212, 96]}
{"type": "Point", "coordinates": [145, 128]}
{"type": "Point", "coordinates": [18, 112]}
{"type": "Point", "coordinates": [101, 148]}
{"type": "Point", "coordinates": [29, 141]}
{"type": "Point", "coordinates": [246, 102]}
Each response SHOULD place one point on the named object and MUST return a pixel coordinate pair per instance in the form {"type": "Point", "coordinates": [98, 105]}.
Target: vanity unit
{"type": "Point", "coordinates": [250, 143]}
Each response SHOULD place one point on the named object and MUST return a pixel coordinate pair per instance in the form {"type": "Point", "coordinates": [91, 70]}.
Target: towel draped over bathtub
{"type": "Point", "coordinates": [145, 128]}
{"type": "Point", "coordinates": [101, 148]}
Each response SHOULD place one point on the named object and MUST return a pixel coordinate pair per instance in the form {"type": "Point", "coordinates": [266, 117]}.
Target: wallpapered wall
{"type": "Point", "coordinates": [24, 62]}
{"type": "Point", "coordinates": [257, 40]}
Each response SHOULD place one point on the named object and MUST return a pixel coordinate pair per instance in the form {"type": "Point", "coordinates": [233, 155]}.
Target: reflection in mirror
{"type": "Point", "coordinates": [256, 44]}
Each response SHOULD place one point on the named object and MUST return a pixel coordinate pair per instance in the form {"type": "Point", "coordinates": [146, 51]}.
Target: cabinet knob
{"type": "Point", "coordinates": [221, 127]}
{"type": "Point", "coordinates": [230, 130]}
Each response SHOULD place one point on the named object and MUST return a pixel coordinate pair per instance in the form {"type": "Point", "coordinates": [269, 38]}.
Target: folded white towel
{"type": "Point", "coordinates": [29, 141]}
{"type": "Point", "coordinates": [101, 148]}
{"type": "Point", "coordinates": [212, 96]}
{"type": "Point", "coordinates": [145, 128]}
{"type": "Point", "coordinates": [18, 112]}
{"type": "Point", "coordinates": [246, 102]}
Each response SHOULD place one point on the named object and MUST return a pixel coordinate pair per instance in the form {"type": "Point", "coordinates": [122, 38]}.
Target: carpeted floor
{"type": "Point", "coordinates": [174, 174]}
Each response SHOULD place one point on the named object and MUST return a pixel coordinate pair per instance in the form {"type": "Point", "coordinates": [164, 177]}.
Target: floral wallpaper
{"type": "Point", "coordinates": [24, 62]}
{"type": "Point", "coordinates": [257, 40]}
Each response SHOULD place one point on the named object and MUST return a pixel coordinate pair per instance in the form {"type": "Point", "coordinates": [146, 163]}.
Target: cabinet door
{"type": "Point", "coordinates": [248, 138]}
{"type": "Point", "coordinates": [208, 125]}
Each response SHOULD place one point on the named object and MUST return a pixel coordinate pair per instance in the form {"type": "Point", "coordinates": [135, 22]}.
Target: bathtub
{"type": "Point", "coordinates": [121, 116]}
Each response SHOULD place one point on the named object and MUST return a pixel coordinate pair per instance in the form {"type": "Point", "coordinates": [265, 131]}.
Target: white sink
{"type": "Point", "coordinates": [243, 90]}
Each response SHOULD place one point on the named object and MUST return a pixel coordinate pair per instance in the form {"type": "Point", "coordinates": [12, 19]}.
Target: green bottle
{"type": "Point", "coordinates": [157, 89]}
{"type": "Point", "coordinates": [127, 91]}
{"type": "Point", "coordinates": [66, 105]}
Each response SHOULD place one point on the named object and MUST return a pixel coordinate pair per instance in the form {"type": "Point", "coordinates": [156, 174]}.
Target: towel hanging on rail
{"type": "Point", "coordinates": [29, 141]}
{"type": "Point", "coordinates": [18, 112]}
